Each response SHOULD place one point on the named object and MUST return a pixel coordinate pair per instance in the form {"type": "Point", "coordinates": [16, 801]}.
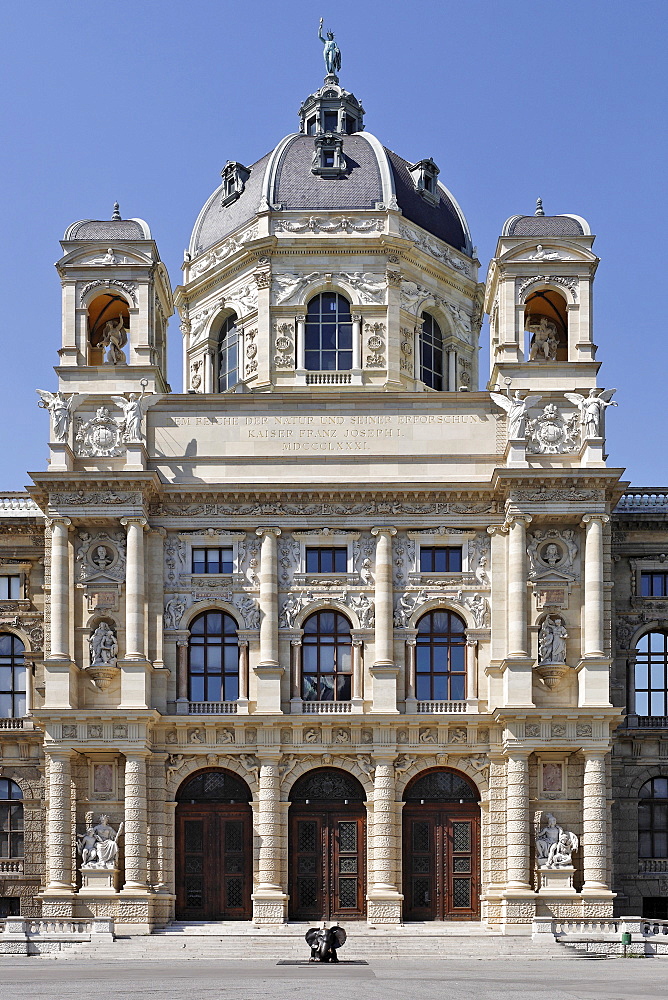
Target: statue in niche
{"type": "Point", "coordinates": [552, 641]}
{"type": "Point", "coordinates": [592, 408]}
{"type": "Point", "coordinates": [114, 339]}
{"type": "Point", "coordinates": [331, 51]}
{"type": "Point", "coordinates": [61, 410]}
{"type": "Point", "coordinates": [546, 838]}
{"type": "Point", "coordinates": [101, 559]}
{"type": "Point", "coordinates": [517, 409]}
{"type": "Point", "coordinates": [98, 846]}
{"type": "Point", "coordinates": [103, 646]}
{"type": "Point", "coordinates": [545, 340]}
{"type": "Point", "coordinates": [554, 845]}
{"type": "Point", "coordinates": [552, 554]}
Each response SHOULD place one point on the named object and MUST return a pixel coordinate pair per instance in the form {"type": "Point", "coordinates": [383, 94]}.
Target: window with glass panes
{"type": "Point", "coordinates": [653, 819]}
{"type": "Point", "coordinates": [440, 657]}
{"type": "Point", "coordinates": [326, 559]}
{"type": "Point", "coordinates": [213, 560]}
{"type": "Point", "coordinates": [13, 677]}
{"type": "Point", "coordinates": [654, 584]}
{"type": "Point", "coordinates": [11, 819]}
{"type": "Point", "coordinates": [213, 658]}
{"type": "Point", "coordinates": [326, 657]}
{"type": "Point", "coordinates": [431, 353]}
{"type": "Point", "coordinates": [440, 559]}
{"type": "Point", "coordinates": [228, 355]}
{"type": "Point", "coordinates": [651, 674]}
{"type": "Point", "coordinates": [328, 334]}
{"type": "Point", "coordinates": [10, 588]}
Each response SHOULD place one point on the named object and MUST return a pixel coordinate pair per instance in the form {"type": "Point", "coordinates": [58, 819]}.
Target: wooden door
{"type": "Point", "coordinates": [213, 862]}
{"type": "Point", "coordinates": [441, 862]}
{"type": "Point", "coordinates": [327, 869]}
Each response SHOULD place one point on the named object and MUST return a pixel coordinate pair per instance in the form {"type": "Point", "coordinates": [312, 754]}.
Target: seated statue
{"type": "Point", "coordinates": [324, 942]}
{"type": "Point", "coordinates": [560, 854]}
{"type": "Point", "coordinates": [546, 838]}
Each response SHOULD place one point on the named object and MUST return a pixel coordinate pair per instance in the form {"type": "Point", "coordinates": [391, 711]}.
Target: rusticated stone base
{"type": "Point", "coordinates": [270, 909]}
{"type": "Point", "coordinates": [59, 906]}
{"type": "Point", "coordinates": [383, 910]}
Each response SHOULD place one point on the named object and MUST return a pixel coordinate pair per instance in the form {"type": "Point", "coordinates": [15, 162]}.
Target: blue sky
{"type": "Point", "coordinates": [144, 101]}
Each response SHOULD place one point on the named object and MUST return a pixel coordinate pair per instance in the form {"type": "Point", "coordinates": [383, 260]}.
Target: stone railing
{"type": "Point", "coordinates": [326, 707]}
{"type": "Point", "coordinates": [442, 707]}
{"type": "Point", "coordinates": [650, 928]}
{"type": "Point", "coordinates": [11, 723]}
{"type": "Point", "coordinates": [647, 722]}
{"type": "Point", "coordinates": [328, 378]}
{"type": "Point", "coordinates": [212, 708]}
{"type": "Point", "coordinates": [26, 936]}
{"type": "Point", "coordinates": [16, 504]}
{"type": "Point", "coordinates": [643, 500]}
{"type": "Point", "coordinates": [11, 867]}
{"type": "Point", "coordinates": [635, 936]}
{"type": "Point", "coordinates": [653, 865]}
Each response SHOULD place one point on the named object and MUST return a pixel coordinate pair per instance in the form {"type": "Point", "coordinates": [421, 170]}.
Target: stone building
{"type": "Point", "coordinates": [329, 632]}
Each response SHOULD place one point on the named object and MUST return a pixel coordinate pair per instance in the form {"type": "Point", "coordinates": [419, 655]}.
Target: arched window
{"type": "Point", "coordinates": [440, 657]}
{"type": "Point", "coordinates": [213, 658]}
{"type": "Point", "coordinates": [431, 353]}
{"type": "Point", "coordinates": [228, 354]}
{"type": "Point", "coordinates": [653, 819]}
{"type": "Point", "coordinates": [329, 334]}
{"type": "Point", "coordinates": [326, 657]}
{"type": "Point", "coordinates": [651, 674]}
{"type": "Point", "coordinates": [12, 677]}
{"type": "Point", "coordinates": [11, 819]}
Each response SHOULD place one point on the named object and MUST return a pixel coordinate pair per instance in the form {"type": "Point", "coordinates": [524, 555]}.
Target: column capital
{"type": "Point", "coordinates": [356, 317]}
{"type": "Point", "coordinates": [517, 752]}
{"type": "Point", "coordinates": [140, 754]}
{"type": "Point", "coordinates": [517, 518]}
{"type": "Point", "coordinates": [589, 518]}
{"type": "Point", "coordinates": [268, 531]}
{"type": "Point", "coordinates": [497, 529]}
{"type": "Point", "coordinates": [383, 530]}
{"type": "Point", "coordinates": [59, 519]}
{"type": "Point", "coordinates": [594, 753]}
{"type": "Point", "coordinates": [140, 521]}
{"type": "Point", "coordinates": [58, 752]}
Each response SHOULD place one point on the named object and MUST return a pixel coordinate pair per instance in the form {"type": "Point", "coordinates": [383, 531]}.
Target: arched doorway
{"type": "Point", "coordinates": [441, 849]}
{"type": "Point", "coordinates": [327, 846]}
{"type": "Point", "coordinates": [214, 857]}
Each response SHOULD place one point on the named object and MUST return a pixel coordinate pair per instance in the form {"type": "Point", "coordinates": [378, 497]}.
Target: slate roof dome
{"type": "Point", "coordinates": [545, 225]}
{"type": "Point", "coordinates": [372, 177]}
{"type": "Point", "coordinates": [109, 229]}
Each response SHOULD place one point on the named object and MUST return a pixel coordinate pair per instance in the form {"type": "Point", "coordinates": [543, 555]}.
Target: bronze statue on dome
{"type": "Point", "coordinates": [331, 52]}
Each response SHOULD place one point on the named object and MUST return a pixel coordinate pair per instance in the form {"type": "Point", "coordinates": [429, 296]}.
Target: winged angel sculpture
{"type": "Point", "coordinates": [592, 408]}
{"type": "Point", "coordinates": [517, 410]}
{"type": "Point", "coordinates": [61, 409]}
{"type": "Point", "coordinates": [134, 410]}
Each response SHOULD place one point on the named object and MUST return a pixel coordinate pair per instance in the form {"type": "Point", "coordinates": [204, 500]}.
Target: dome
{"type": "Point", "coordinates": [109, 230]}
{"type": "Point", "coordinates": [541, 225]}
{"type": "Point", "coordinates": [373, 176]}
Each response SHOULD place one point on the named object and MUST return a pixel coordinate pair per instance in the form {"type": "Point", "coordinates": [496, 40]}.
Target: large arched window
{"type": "Point", "coordinates": [440, 657]}
{"type": "Point", "coordinates": [228, 354]}
{"type": "Point", "coordinates": [326, 657]}
{"type": "Point", "coordinates": [329, 334]}
{"type": "Point", "coordinates": [431, 353]}
{"type": "Point", "coordinates": [651, 674]}
{"type": "Point", "coordinates": [653, 819]}
{"type": "Point", "coordinates": [11, 819]}
{"type": "Point", "coordinates": [213, 658]}
{"type": "Point", "coordinates": [12, 677]}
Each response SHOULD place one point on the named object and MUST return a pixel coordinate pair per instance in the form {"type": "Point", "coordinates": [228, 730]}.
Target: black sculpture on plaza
{"type": "Point", "coordinates": [323, 942]}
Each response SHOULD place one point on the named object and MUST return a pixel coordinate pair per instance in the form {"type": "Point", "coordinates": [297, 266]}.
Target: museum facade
{"type": "Point", "coordinates": [329, 634]}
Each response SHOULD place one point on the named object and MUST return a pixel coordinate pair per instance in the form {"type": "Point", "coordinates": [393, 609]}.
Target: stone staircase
{"type": "Point", "coordinates": [238, 941]}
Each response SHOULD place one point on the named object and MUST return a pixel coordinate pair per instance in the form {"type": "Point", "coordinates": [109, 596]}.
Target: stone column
{"type": "Point", "coordinates": [136, 827]}
{"type": "Point", "coordinates": [517, 820]}
{"type": "Point", "coordinates": [517, 585]}
{"type": "Point", "coordinates": [269, 596]}
{"type": "Point", "coordinates": [452, 371]}
{"type": "Point", "coordinates": [60, 589]}
{"type": "Point", "coordinates": [295, 670]}
{"type": "Point", "coordinates": [471, 668]}
{"type": "Point", "coordinates": [269, 898]}
{"type": "Point", "coordinates": [357, 342]}
{"type": "Point", "coordinates": [134, 589]}
{"type": "Point", "coordinates": [593, 585]}
{"type": "Point", "coordinates": [411, 645]}
{"type": "Point", "coordinates": [384, 635]}
{"type": "Point", "coordinates": [357, 670]}
{"type": "Point", "coordinates": [594, 822]}
{"type": "Point", "coordinates": [59, 824]}
{"type": "Point", "coordinates": [384, 899]}
{"type": "Point", "coordinates": [243, 670]}
{"type": "Point", "coordinates": [300, 335]}
{"type": "Point", "coordinates": [182, 675]}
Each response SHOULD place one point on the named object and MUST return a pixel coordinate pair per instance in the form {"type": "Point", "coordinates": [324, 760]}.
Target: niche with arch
{"type": "Point", "coordinates": [546, 326]}
{"type": "Point", "coordinates": [107, 308]}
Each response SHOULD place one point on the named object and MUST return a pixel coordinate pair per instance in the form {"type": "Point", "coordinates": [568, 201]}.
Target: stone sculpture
{"type": "Point", "coordinates": [249, 610]}
{"type": "Point", "coordinates": [517, 409]}
{"type": "Point", "coordinates": [134, 409]}
{"type": "Point", "coordinates": [406, 606]}
{"type": "Point", "coordinates": [98, 846]}
{"type": "Point", "coordinates": [552, 641]}
{"type": "Point", "coordinates": [292, 606]}
{"type": "Point", "coordinates": [479, 608]}
{"type": "Point", "coordinates": [554, 845]}
{"type": "Point", "coordinates": [551, 432]}
{"type": "Point", "coordinates": [365, 610]}
{"type": "Point", "coordinates": [331, 51]}
{"type": "Point", "coordinates": [545, 340]}
{"type": "Point", "coordinates": [103, 646]}
{"type": "Point", "coordinates": [174, 610]}
{"type": "Point", "coordinates": [324, 942]}
{"type": "Point", "coordinates": [592, 408]}
{"type": "Point", "coordinates": [366, 575]}
{"type": "Point", "coordinates": [114, 339]}
{"type": "Point", "coordinates": [61, 410]}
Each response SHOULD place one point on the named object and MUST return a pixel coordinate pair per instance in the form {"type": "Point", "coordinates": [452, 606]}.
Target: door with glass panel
{"type": "Point", "coordinates": [441, 848]}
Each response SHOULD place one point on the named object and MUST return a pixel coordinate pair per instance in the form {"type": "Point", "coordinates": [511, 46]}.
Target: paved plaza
{"type": "Point", "coordinates": [564, 979]}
